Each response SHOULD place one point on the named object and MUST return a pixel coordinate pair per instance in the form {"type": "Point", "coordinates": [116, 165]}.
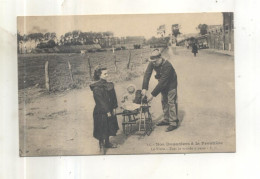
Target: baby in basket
{"type": "Point", "coordinates": [129, 99]}
{"type": "Point", "coordinates": [132, 99]}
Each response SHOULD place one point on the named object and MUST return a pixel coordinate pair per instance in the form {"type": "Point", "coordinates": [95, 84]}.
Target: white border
{"type": "Point", "coordinates": [242, 164]}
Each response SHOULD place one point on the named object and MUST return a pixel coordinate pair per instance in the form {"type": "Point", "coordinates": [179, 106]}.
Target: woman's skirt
{"type": "Point", "coordinates": [104, 126]}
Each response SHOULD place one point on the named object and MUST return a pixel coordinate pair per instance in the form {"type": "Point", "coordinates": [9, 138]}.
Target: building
{"type": "Point", "coordinates": [202, 41]}
{"type": "Point", "coordinates": [215, 37]}
{"type": "Point", "coordinates": [221, 37]}
{"type": "Point", "coordinates": [228, 28]}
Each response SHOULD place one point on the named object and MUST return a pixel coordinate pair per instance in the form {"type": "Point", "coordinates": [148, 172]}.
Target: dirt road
{"type": "Point", "coordinates": [63, 125]}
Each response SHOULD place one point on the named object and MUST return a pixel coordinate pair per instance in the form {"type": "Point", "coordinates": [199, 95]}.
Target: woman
{"type": "Point", "coordinates": [105, 121]}
{"type": "Point", "coordinates": [194, 49]}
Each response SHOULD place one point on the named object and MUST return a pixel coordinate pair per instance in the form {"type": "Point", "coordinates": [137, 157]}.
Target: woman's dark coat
{"type": "Point", "coordinates": [105, 99]}
{"type": "Point", "coordinates": [194, 48]}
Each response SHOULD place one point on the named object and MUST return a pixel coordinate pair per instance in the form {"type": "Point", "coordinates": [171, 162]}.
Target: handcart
{"type": "Point", "coordinates": [141, 117]}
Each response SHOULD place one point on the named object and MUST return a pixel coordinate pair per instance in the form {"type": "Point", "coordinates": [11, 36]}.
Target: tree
{"type": "Point", "coordinates": [62, 39]}
{"type": "Point", "coordinates": [158, 42]}
{"type": "Point", "coordinates": [51, 43]}
{"type": "Point", "coordinates": [176, 31]}
{"type": "Point", "coordinates": [36, 36]}
{"type": "Point", "coordinates": [53, 35]}
{"type": "Point", "coordinates": [68, 35]}
{"type": "Point", "coordinates": [77, 37]}
{"type": "Point", "coordinates": [47, 36]}
{"type": "Point", "coordinates": [19, 39]}
{"type": "Point", "coordinates": [108, 34]}
{"type": "Point", "coordinates": [99, 35]}
{"type": "Point", "coordinates": [25, 37]}
{"type": "Point", "coordinates": [75, 33]}
{"type": "Point", "coordinates": [161, 30]}
{"type": "Point", "coordinates": [67, 38]}
{"type": "Point", "coordinates": [39, 36]}
{"type": "Point", "coordinates": [203, 29]}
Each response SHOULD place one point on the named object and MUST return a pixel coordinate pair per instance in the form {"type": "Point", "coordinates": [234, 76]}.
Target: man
{"type": "Point", "coordinates": [167, 86]}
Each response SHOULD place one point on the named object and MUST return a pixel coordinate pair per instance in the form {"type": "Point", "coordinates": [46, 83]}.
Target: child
{"type": "Point", "coordinates": [128, 99]}
{"type": "Point", "coordinates": [130, 95]}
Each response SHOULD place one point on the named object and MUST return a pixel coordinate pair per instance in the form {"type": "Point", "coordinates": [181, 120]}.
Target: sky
{"type": "Point", "coordinates": [121, 25]}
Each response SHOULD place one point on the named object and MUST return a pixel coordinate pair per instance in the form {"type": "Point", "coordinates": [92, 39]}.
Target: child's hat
{"type": "Point", "coordinates": [131, 86]}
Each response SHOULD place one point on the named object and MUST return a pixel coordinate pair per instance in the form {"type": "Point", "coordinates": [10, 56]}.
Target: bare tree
{"type": "Point", "coordinates": [129, 60]}
{"type": "Point", "coordinates": [203, 29]}
{"type": "Point", "coordinates": [176, 31]}
{"type": "Point", "coordinates": [19, 40]}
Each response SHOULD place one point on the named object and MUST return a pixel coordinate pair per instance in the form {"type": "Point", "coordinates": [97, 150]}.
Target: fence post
{"type": "Point", "coordinates": [129, 60]}
{"type": "Point", "coordinates": [47, 81]}
{"type": "Point", "coordinates": [89, 67]}
{"type": "Point", "coordinates": [141, 57]}
{"type": "Point", "coordinates": [142, 62]}
{"type": "Point", "coordinates": [115, 62]}
{"type": "Point", "coordinates": [71, 76]}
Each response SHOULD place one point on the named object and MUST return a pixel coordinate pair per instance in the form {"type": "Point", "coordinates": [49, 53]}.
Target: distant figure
{"type": "Point", "coordinates": [194, 49]}
{"type": "Point", "coordinates": [187, 45]}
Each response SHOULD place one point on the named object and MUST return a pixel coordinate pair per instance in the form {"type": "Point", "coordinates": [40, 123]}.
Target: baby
{"type": "Point", "coordinates": [128, 99]}
{"type": "Point", "coordinates": [130, 95]}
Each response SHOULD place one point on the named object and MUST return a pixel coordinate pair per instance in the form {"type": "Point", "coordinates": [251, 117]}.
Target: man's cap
{"type": "Point", "coordinates": [155, 55]}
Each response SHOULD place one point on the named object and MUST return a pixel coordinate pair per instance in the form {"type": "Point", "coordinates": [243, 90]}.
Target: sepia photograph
{"type": "Point", "coordinates": [126, 84]}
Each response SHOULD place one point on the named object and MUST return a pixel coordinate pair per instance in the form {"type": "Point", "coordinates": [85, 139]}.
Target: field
{"type": "Point", "coordinates": [31, 68]}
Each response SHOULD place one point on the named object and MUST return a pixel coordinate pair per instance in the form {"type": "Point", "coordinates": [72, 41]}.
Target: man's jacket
{"type": "Point", "coordinates": [166, 75]}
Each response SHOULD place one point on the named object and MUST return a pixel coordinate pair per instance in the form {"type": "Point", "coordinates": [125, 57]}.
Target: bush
{"type": "Point", "coordinates": [118, 48]}
{"type": "Point", "coordinates": [37, 50]}
{"type": "Point", "coordinates": [42, 45]}
{"type": "Point", "coordinates": [101, 50]}
{"type": "Point", "coordinates": [137, 46]}
{"type": "Point", "coordinates": [158, 42]}
{"type": "Point", "coordinates": [51, 44]}
{"type": "Point", "coordinates": [76, 43]}
{"type": "Point", "coordinates": [78, 48]}
{"type": "Point", "coordinates": [92, 50]}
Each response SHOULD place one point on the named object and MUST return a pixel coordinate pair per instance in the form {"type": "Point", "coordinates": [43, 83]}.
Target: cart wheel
{"type": "Point", "coordinates": [127, 129]}
{"type": "Point", "coordinates": [123, 125]}
{"type": "Point", "coordinates": [149, 124]}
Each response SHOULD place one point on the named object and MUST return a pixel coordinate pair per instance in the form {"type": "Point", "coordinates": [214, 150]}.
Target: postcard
{"type": "Point", "coordinates": [126, 84]}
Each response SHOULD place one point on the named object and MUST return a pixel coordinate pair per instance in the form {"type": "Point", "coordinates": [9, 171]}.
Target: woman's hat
{"type": "Point", "coordinates": [155, 55]}
{"type": "Point", "coordinates": [99, 67]}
